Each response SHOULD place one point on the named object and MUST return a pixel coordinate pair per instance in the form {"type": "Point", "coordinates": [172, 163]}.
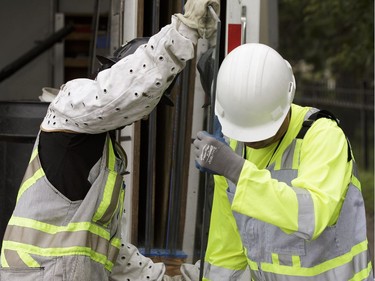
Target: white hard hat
{"type": "Point", "coordinates": [255, 88]}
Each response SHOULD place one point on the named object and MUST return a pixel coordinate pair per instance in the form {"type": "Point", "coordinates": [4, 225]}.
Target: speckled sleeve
{"type": "Point", "coordinates": [126, 92]}
{"type": "Point", "coordinates": [132, 265]}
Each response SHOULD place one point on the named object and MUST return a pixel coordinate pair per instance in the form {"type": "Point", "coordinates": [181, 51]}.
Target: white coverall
{"type": "Point", "coordinates": [92, 106]}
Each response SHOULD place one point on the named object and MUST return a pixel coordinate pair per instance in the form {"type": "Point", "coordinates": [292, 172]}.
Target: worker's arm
{"type": "Point", "coordinates": [132, 265]}
{"type": "Point", "coordinates": [324, 172]}
{"type": "Point", "coordinates": [130, 89]}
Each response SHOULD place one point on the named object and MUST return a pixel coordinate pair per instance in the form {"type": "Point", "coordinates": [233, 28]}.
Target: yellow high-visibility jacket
{"type": "Point", "coordinates": [296, 213]}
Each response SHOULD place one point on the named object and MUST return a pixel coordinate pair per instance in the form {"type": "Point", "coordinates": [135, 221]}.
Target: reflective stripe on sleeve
{"type": "Point", "coordinates": [306, 214]}
{"type": "Point", "coordinates": [212, 272]}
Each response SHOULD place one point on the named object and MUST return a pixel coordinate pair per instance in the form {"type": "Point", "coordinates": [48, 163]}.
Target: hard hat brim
{"type": "Point", "coordinates": [251, 134]}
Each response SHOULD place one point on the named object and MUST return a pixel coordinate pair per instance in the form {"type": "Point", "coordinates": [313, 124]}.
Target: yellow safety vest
{"type": "Point", "coordinates": [50, 235]}
{"type": "Point", "coordinates": [247, 232]}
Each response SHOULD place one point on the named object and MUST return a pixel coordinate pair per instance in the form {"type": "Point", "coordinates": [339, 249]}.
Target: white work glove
{"type": "Point", "coordinates": [213, 155]}
{"type": "Point", "coordinates": [132, 265]}
{"type": "Point", "coordinates": [197, 16]}
{"type": "Point", "coordinates": [190, 272]}
{"type": "Point", "coordinates": [173, 278]}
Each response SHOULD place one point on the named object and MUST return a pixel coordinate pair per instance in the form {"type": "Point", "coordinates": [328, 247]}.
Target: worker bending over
{"type": "Point", "coordinates": [287, 200]}
{"type": "Point", "coordinates": [66, 222]}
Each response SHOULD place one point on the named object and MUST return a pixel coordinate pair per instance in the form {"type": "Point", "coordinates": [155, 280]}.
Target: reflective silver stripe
{"type": "Point", "coordinates": [33, 173]}
{"type": "Point", "coordinates": [63, 239]}
{"type": "Point", "coordinates": [282, 175]}
{"type": "Point", "coordinates": [13, 259]}
{"type": "Point", "coordinates": [34, 245]}
{"type": "Point", "coordinates": [33, 166]}
{"type": "Point", "coordinates": [108, 156]}
{"type": "Point", "coordinates": [306, 214]}
{"type": "Point", "coordinates": [310, 112]}
{"type": "Point", "coordinates": [285, 259]}
{"type": "Point", "coordinates": [108, 206]}
{"type": "Point", "coordinates": [239, 148]}
{"type": "Point", "coordinates": [287, 158]}
{"type": "Point", "coordinates": [344, 272]}
{"type": "Point", "coordinates": [111, 208]}
{"type": "Point", "coordinates": [112, 253]}
{"type": "Point", "coordinates": [215, 273]}
{"type": "Point", "coordinates": [339, 253]}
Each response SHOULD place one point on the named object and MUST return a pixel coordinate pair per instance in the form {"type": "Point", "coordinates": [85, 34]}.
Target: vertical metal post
{"type": "Point", "coordinates": [116, 25]}
{"type": "Point", "coordinates": [58, 54]}
{"type": "Point", "coordinates": [243, 24]}
{"type": "Point", "coordinates": [211, 115]}
{"type": "Point", "coordinates": [149, 227]}
{"type": "Point", "coordinates": [122, 21]}
{"type": "Point", "coordinates": [94, 37]}
{"type": "Point", "coordinates": [179, 139]}
{"type": "Point", "coordinates": [178, 158]}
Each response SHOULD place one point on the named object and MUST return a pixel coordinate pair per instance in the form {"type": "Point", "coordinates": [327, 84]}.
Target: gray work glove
{"type": "Point", "coordinates": [190, 272]}
{"type": "Point", "coordinates": [213, 155]}
{"type": "Point", "coordinates": [197, 16]}
{"type": "Point", "coordinates": [173, 278]}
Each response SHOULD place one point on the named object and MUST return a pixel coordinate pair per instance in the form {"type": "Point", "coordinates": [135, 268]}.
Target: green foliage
{"type": "Point", "coordinates": [334, 35]}
{"type": "Point", "coordinates": [367, 183]}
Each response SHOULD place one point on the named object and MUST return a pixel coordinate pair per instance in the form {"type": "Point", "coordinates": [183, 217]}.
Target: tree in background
{"type": "Point", "coordinates": [329, 39]}
{"type": "Point", "coordinates": [330, 44]}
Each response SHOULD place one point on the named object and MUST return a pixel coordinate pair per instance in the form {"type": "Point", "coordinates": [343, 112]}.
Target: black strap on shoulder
{"type": "Point", "coordinates": [312, 118]}
{"type": "Point", "coordinates": [315, 116]}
